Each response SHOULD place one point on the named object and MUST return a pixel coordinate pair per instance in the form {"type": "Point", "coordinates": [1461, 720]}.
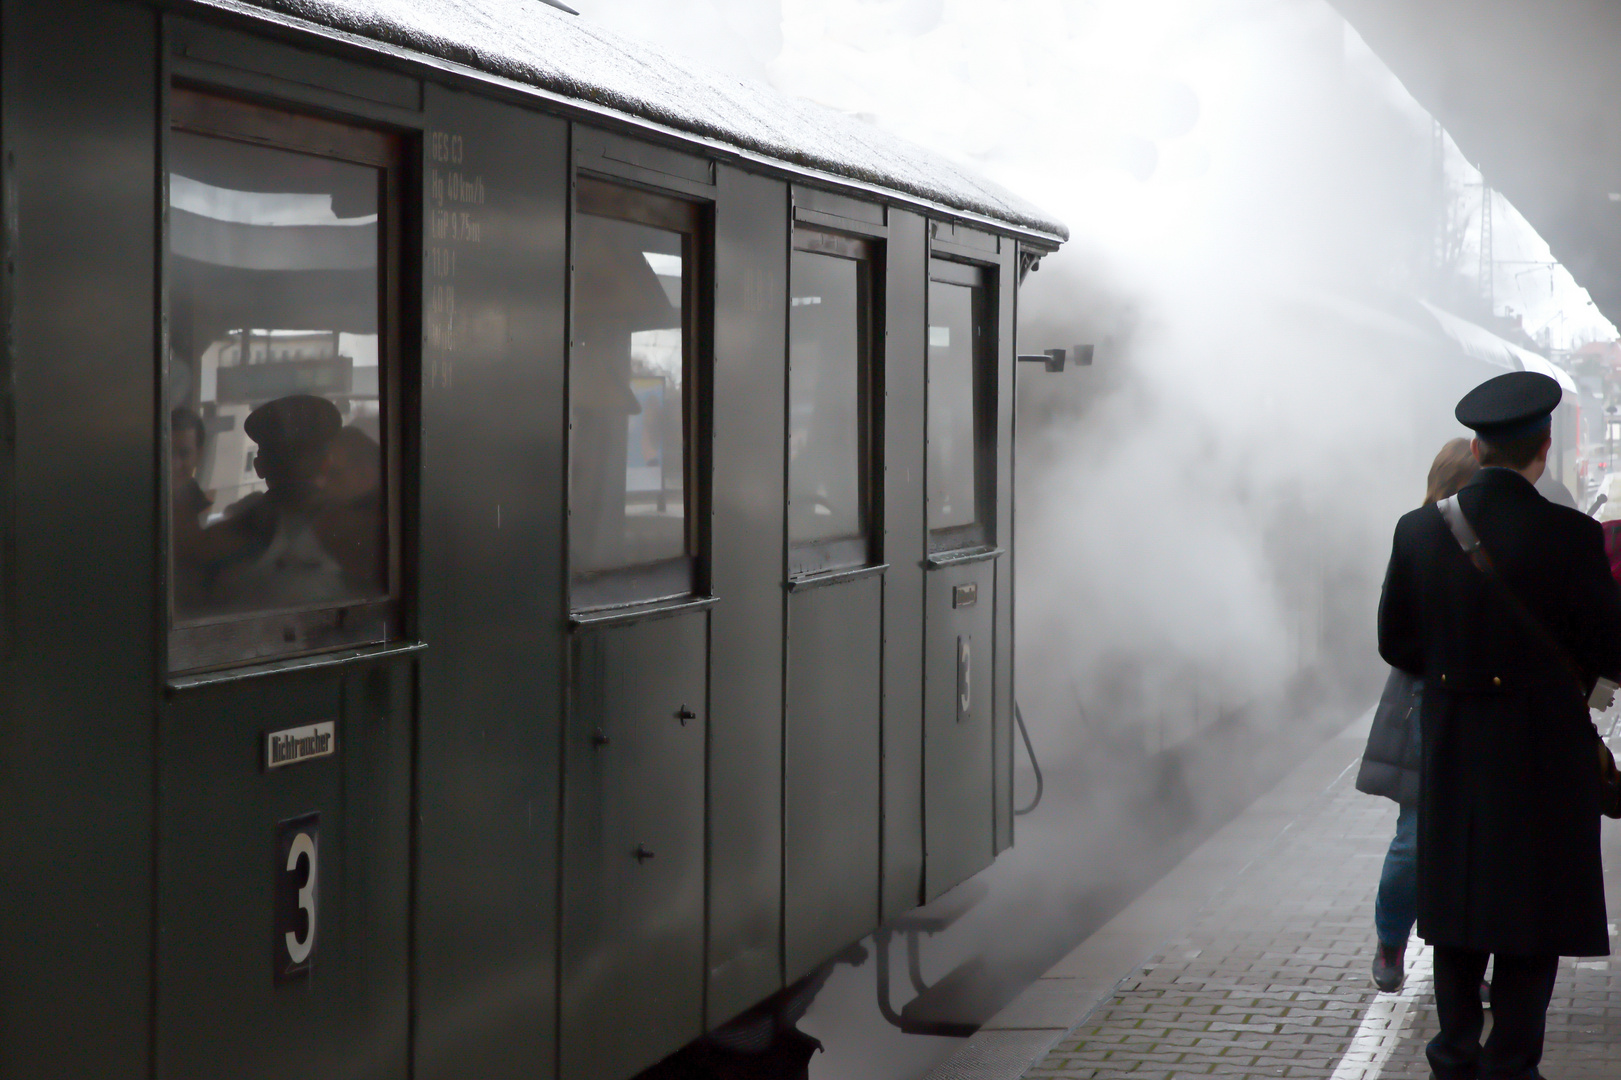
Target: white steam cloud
{"type": "Point", "coordinates": [1204, 514]}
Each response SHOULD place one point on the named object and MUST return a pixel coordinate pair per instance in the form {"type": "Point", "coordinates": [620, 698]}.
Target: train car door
{"type": "Point", "coordinates": [833, 736]}
{"type": "Point", "coordinates": [961, 587]}
{"type": "Point", "coordinates": [632, 960]}
{"type": "Point", "coordinates": [285, 741]}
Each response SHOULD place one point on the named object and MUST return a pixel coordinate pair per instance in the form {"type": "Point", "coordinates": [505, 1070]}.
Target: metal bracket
{"type": "Point", "coordinates": [919, 1017]}
{"type": "Point", "coordinates": [1054, 358]}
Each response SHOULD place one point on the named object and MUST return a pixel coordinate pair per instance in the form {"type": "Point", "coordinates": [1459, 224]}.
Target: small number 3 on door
{"type": "Point", "coordinates": [297, 862]}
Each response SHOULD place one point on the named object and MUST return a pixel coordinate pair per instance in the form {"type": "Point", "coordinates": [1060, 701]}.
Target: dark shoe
{"type": "Point", "coordinates": [1485, 994]}
{"type": "Point", "coordinates": [1389, 968]}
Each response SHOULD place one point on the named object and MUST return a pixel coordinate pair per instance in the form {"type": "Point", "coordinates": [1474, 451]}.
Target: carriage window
{"type": "Point", "coordinates": [633, 533]}
{"type": "Point", "coordinates": [828, 366]}
{"type": "Point", "coordinates": [277, 384]}
{"type": "Point", "coordinates": [961, 412]}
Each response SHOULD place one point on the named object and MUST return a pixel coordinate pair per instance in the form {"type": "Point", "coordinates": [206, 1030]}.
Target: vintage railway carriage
{"type": "Point", "coordinates": [505, 540]}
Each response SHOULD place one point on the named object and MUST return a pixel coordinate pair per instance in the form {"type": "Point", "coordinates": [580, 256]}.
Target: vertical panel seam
{"type": "Point", "coordinates": [923, 588]}
{"type": "Point", "coordinates": [703, 923]}
{"type": "Point", "coordinates": [877, 467]}
{"type": "Point", "coordinates": [1012, 549]}
{"type": "Point", "coordinates": [8, 416]}
{"type": "Point", "coordinates": [787, 238]}
{"type": "Point", "coordinates": [160, 657]}
{"type": "Point", "coordinates": [566, 684]}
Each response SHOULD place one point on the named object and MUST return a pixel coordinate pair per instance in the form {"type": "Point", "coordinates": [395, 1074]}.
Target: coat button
{"type": "Point", "coordinates": [1496, 681]}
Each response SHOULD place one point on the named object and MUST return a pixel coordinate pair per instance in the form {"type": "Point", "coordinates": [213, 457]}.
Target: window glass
{"type": "Point", "coordinates": [277, 473]}
{"type": "Point", "coordinates": [628, 409]}
{"type": "Point", "coordinates": [826, 444]}
{"type": "Point", "coordinates": [953, 459]}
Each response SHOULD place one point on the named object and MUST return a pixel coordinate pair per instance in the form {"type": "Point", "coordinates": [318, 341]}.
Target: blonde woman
{"type": "Point", "coordinates": [1390, 766]}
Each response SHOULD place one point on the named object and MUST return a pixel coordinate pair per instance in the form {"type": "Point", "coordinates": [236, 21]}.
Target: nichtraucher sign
{"type": "Point", "coordinates": [293, 745]}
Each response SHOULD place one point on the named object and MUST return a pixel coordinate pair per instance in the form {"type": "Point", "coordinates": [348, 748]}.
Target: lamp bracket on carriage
{"type": "Point", "coordinates": [1054, 358]}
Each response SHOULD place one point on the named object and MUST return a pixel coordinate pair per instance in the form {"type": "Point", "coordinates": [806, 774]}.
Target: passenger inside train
{"type": "Point", "coordinates": [276, 482]}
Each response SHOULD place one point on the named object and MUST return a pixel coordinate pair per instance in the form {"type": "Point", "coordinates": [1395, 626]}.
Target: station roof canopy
{"type": "Point", "coordinates": [1529, 91]}
{"type": "Point", "coordinates": [533, 45]}
{"type": "Point", "coordinates": [1481, 344]}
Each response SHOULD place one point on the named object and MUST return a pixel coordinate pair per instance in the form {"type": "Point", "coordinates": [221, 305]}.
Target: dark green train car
{"type": "Point", "coordinates": [504, 540]}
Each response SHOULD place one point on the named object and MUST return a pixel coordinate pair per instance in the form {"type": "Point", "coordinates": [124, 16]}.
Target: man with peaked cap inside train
{"type": "Point", "coordinates": [1508, 641]}
{"type": "Point", "coordinates": [280, 560]}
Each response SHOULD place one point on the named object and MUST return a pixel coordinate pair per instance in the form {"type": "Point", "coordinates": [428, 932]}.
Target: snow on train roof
{"type": "Point", "coordinates": [533, 43]}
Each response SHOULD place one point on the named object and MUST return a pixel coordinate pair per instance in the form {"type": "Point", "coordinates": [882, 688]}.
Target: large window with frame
{"type": "Point", "coordinates": [635, 526]}
{"type": "Point", "coordinates": [961, 456]}
{"type": "Point", "coordinates": [830, 422]}
{"type": "Point", "coordinates": [281, 401]}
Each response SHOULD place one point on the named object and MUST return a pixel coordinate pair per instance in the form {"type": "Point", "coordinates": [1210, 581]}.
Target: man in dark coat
{"type": "Point", "coordinates": [1508, 829]}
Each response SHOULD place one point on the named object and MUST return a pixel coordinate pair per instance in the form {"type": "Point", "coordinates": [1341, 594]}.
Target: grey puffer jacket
{"type": "Point", "coordinates": [1390, 763]}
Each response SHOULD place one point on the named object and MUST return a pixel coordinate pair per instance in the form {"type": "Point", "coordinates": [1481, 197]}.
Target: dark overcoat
{"type": "Point", "coordinates": [1508, 824]}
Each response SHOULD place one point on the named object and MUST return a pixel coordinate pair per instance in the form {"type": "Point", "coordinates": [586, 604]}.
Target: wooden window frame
{"type": "Point", "coordinates": [814, 557]}
{"type": "Point", "coordinates": [227, 641]}
{"type": "Point", "coordinates": [981, 279]}
{"type": "Point", "coordinates": [678, 579]}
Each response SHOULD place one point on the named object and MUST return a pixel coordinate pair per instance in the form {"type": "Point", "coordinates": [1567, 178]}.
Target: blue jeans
{"type": "Point", "coordinates": [1396, 905]}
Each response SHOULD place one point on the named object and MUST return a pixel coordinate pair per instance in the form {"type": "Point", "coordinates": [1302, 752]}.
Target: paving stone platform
{"type": "Point", "coordinates": [1251, 959]}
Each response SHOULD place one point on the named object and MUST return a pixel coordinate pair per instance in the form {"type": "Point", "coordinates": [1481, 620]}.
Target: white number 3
{"type": "Point", "coordinates": [303, 846]}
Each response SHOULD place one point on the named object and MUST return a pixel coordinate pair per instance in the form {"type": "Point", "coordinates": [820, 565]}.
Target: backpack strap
{"type": "Point", "coordinates": [1464, 533]}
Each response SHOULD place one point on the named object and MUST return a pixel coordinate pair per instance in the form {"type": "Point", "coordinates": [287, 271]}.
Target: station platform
{"type": "Point", "coordinates": [1251, 958]}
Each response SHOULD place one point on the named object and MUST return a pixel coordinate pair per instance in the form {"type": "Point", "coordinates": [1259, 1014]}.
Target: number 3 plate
{"type": "Point", "coordinates": [298, 858]}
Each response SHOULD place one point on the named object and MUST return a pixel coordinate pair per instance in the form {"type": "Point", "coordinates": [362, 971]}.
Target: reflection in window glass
{"type": "Point", "coordinates": [824, 400]}
{"type": "Point", "coordinates": [627, 461]}
{"type": "Point", "coordinates": [276, 468]}
{"type": "Point", "coordinates": [952, 462]}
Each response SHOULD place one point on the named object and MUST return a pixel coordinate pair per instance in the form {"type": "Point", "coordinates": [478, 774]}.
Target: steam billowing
{"type": "Point", "coordinates": [1203, 516]}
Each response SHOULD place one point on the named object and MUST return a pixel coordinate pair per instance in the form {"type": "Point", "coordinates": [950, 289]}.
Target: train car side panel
{"type": "Point", "coordinates": [831, 769]}
{"type": "Point", "coordinates": [491, 589]}
{"type": "Point", "coordinates": [964, 508]}
{"type": "Point", "coordinates": [957, 739]}
{"type": "Point", "coordinates": [745, 735]}
{"type": "Point", "coordinates": [223, 994]}
{"type": "Point", "coordinates": [1002, 688]}
{"type": "Point", "coordinates": [285, 791]}
{"type": "Point", "coordinates": [80, 112]}
{"type": "Point", "coordinates": [906, 282]}
{"type": "Point", "coordinates": [633, 848]}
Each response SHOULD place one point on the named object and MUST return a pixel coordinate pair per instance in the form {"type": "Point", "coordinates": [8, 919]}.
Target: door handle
{"type": "Point", "coordinates": [684, 714]}
{"type": "Point", "coordinates": [642, 853]}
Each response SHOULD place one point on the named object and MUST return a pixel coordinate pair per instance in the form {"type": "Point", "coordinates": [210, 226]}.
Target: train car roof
{"type": "Point", "coordinates": [529, 42]}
